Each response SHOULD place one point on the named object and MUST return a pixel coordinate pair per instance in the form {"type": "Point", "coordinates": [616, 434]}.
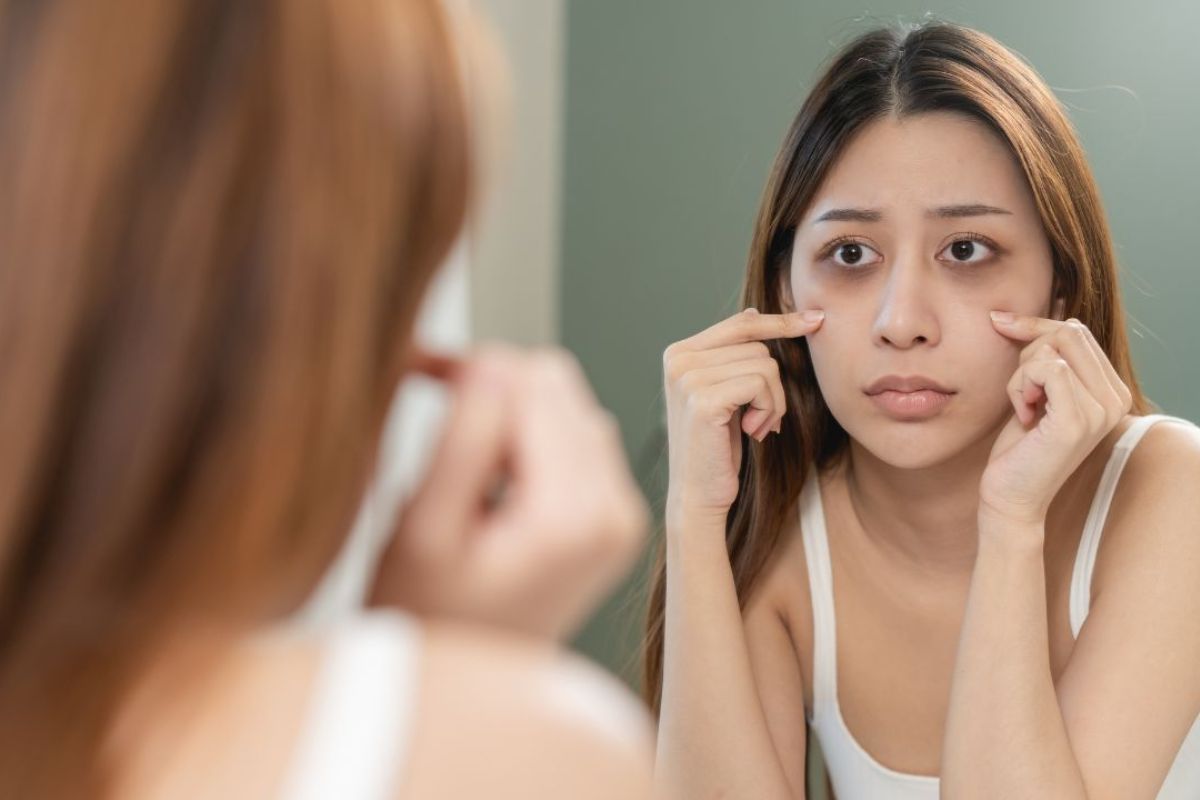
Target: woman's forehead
{"type": "Point", "coordinates": [920, 163]}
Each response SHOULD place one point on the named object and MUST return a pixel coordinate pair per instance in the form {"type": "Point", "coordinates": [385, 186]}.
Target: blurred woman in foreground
{"type": "Point", "coordinates": [217, 223]}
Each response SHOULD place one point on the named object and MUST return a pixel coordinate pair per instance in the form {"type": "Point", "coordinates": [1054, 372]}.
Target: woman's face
{"type": "Point", "coordinates": [922, 226]}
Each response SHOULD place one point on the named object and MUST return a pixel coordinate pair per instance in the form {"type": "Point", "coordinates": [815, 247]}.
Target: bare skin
{"type": "Point", "coordinates": [497, 584]}
{"type": "Point", "coordinates": [898, 623]}
{"type": "Point", "coordinates": [529, 719]}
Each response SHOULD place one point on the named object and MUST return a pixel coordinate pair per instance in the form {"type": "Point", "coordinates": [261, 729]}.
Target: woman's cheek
{"type": "Point", "coordinates": [831, 346]}
{"type": "Point", "coordinates": [841, 312]}
{"type": "Point", "coordinates": [810, 293]}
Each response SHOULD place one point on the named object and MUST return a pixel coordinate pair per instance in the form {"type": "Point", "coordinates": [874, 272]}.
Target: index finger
{"type": "Point", "coordinates": [751, 326]}
{"type": "Point", "coordinates": [1025, 327]}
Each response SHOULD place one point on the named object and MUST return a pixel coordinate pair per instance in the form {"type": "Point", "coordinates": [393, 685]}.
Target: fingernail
{"type": "Point", "coordinates": [813, 315]}
{"type": "Point", "coordinates": [1003, 316]}
{"type": "Point", "coordinates": [750, 310]}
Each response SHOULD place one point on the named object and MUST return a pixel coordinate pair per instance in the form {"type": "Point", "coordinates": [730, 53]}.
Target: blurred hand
{"type": "Point", "coordinates": [528, 515]}
{"type": "Point", "coordinates": [709, 378]}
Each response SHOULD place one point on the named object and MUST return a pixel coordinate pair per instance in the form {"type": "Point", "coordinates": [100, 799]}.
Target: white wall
{"type": "Point", "coordinates": [516, 248]}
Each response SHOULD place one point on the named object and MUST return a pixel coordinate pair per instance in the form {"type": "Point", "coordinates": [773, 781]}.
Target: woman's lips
{"type": "Point", "coordinates": [920, 404]}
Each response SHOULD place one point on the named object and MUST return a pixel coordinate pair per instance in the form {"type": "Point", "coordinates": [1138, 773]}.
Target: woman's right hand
{"type": "Point", "coordinates": [709, 378]}
{"type": "Point", "coordinates": [567, 523]}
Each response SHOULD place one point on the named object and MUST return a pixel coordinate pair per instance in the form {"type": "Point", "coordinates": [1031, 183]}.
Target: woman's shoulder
{"type": "Point", "coordinates": [480, 712]}
{"type": "Point", "coordinates": [530, 718]}
{"type": "Point", "coordinates": [785, 576]}
{"type": "Point", "coordinates": [489, 712]}
{"type": "Point", "coordinates": [783, 584]}
{"type": "Point", "coordinates": [1155, 508]}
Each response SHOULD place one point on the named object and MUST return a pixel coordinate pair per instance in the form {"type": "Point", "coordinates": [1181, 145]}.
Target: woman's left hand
{"type": "Point", "coordinates": [1067, 397]}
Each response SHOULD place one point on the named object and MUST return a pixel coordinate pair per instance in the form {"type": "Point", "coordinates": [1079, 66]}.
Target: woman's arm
{"type": "Point", "coordinates": [713, 739]}
{"type": "Point", "coordinates": [1131, 690]}
{"type": "Point", "coordinates": [721, 385]}
{"type": "Point", "coordinates": [1005, 735]}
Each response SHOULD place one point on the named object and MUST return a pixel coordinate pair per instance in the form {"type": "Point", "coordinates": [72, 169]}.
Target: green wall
{"type": "Point", "coordinates": [674, 109]}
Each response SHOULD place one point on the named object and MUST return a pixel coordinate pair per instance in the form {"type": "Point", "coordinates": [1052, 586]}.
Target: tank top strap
{"type": "Point", "coordinates": [820, 582]}
{"type": "Point", "coordinates": [1089, 541]}
{"type": "Point", "coordinates": [356, 734]}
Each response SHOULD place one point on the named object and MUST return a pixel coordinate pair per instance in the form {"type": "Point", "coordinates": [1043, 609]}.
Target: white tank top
{"type": "Point", "coordinates": [356, 734]}
{"type": "Point", "coordinates": [854, 773]}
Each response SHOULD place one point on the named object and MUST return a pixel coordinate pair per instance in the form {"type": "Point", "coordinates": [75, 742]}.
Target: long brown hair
{"type": "Point", "coordinates": [936, 66]}
{"type": "Point", "coordinates": [217, 221]}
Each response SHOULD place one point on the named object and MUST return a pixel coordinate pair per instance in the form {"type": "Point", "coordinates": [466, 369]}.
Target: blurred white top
{"type": "Point", "coordinates": [356, 734]}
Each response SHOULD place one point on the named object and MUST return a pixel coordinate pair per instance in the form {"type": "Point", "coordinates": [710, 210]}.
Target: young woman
{"type": "Point", "coordinates": [217, 223]}
{"type": "Point", "coordinates": [958, 547]}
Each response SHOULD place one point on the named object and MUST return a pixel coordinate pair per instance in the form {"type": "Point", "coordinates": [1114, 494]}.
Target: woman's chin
{"type": "Point", "coordinates": [907, 445]}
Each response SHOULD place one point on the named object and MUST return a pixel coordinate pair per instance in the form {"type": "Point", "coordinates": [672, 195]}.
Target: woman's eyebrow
{"type": "Point", "coordinates": [875, 215]}
{"type": "Point", "coordinates": [966, 210]}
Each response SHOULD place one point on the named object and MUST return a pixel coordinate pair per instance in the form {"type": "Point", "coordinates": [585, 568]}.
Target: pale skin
{"type": "Point", "coordinates": [952, 539]}
{"type": "Point", "coordinates": [502, 709]}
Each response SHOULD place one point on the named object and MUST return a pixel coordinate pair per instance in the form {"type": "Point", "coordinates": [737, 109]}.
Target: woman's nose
{"type": "Point", "coordinates": [905, 315]}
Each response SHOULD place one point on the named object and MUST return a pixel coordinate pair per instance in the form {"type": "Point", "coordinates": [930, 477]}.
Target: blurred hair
{"type": "Point", "coordinates": [902, 71]}
{"type": "Point", "coordinates": [217, 222]}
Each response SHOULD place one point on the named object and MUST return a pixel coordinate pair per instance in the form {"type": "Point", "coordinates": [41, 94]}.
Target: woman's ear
{"type": "Point", "coordinates": [1060, 308]}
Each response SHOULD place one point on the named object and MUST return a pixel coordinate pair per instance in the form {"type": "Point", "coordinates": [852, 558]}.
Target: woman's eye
{"type": "Point", "coordinates": [852, 254]}
{"type": "Point", "coordinates": [968, 251]}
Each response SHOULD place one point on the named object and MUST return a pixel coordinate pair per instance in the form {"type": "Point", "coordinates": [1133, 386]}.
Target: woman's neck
{"type": "Point", "coordinates": [927, 517]}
